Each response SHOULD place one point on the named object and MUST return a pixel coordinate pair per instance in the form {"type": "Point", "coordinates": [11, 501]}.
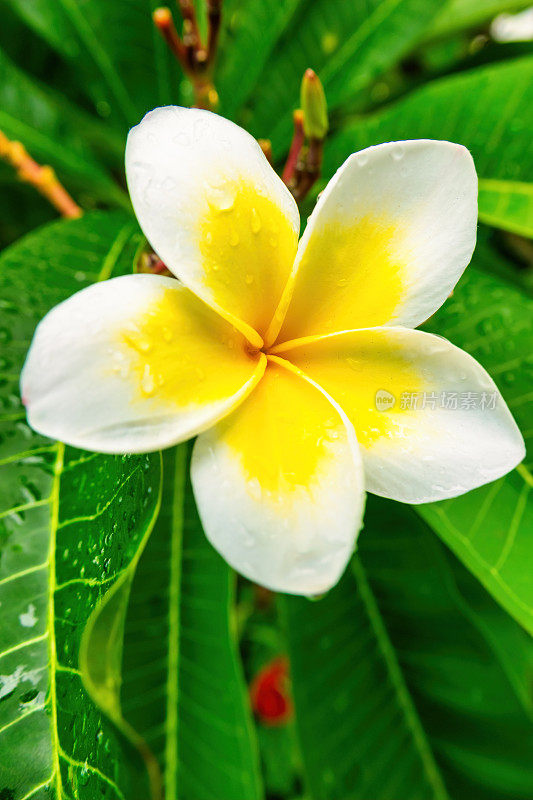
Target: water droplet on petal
{"type": "Point", "coordinates": [147, 381]}
{"type": "Point", "coordinates": [220, 198]}
{"type": "Point", "coordinates": [256, 221]}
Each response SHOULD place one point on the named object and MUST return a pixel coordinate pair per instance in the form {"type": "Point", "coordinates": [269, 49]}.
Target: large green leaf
{"type": "Point", "coordinates": [506, 256]}
{"type": "Point", "coordinates": [183, 686]}
{"type": "Point", "coordinates": [71, 524]}
{"type": "Point", "coordinates": [458, 15]}
{"type": "Point", "coordinates": [507, 205]}
{"type": "Point", "coordinates": [409, 680]}
{"type": "Point", "coordinates": [249, 32]}
{"type": "Point", "coordinates": [490, 528]}
{"type": "Point", "coordinates": [349, 44]}
{"type": "Point", "coordinates": [359, 730]}
{"type": "Point", "coordinates": [122, 62]}
{"type": "Point", "coordinates": [489, 110]}
{"type": "Point", "coordinates": [57, 133]}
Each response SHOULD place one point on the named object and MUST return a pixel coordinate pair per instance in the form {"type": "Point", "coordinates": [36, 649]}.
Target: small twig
{"type": "Point", "coordinates": [43, 178]}
{"type": "Point", "coordinates": [164, 22]}
{"type": "Point", "coordinates": [308, 169]}
{"type": "Point", "coordinates": [295, 148]}
{"type": "Point", "coordinates": [197, 60]}
{"type": "Point", "coordinates": [214, 17]}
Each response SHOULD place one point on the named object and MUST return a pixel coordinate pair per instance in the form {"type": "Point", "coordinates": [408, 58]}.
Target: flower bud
{"type": "Point", "coordinates": [314, 107]}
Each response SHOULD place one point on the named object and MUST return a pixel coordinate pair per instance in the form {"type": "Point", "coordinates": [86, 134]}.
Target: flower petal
{"type": "Point", "coordinates": [387, 241]}
{"type": "Point", "coordinates": [429, 451]}
{"type": "Point", "coordinates": [279, 485]}
{"type": "Point", "coordinates": [214, 210]}
{"type": "Point", "coordinates": [134, 364]}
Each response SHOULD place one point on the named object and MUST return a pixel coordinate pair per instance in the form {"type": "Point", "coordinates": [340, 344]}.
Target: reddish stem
{"type": "Point", "coordinates": [296, 146]}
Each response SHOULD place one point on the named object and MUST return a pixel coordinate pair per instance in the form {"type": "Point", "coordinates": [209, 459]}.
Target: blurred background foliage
{"type": "Point", "coordinates": [412, 679]}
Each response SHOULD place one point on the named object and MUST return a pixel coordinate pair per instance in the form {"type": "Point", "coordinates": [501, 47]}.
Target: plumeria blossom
{"type": "Point", "coordinates": [272, 350]}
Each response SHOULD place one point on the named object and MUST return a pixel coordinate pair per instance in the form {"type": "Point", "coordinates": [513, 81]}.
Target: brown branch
{"type": "Point", "coordinates": [164, 23]}
{"type": "Point", "coordinates": [43, 178]}
{"type": "Point", "coordinates": [214, 18]}
{"type": "Point", "coordinates": [308, 169]}
{"type": "Point", "coordinates": [196, 60]}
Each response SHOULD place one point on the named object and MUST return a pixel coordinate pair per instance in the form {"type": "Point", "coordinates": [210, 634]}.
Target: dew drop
{"type": "Point", "coordinates": [256, 221]}
{"type": "Point", "coordinates": [147, 382]}
{"type": "Point", "coordinates": [138, 341]}
{"type": "Point", "coordinates": [28, 619]}
{"type": "Point", "coordinates": [249, 279]}
{"type": "Point", "coordinates": [220, 198]}
{"type": "Point", "coordinates": [398, 152]}
{"type": "Point", "coordinates": [233, 237]}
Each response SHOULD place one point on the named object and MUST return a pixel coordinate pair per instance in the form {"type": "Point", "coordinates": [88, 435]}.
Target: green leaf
{"type": "Point", "coordinates": [122, 62]}
{"type": "Point", "coordinates": [250, 30]}
{"type": "Point", "coordinates": [359, 730]}
{"type": "Point", "coordinates": [56, 133]}
{"type": "Point", "coordinates": [458, 15]}
{"type": "Point", "coordinates": [409, 680]}
{"type": "Point", "coordinates": [71, 524]}
{"type": "Point", "coordinates": [489, 110]}
{"type": "Point", "coordinates": [506, 256]}
{"type": "Point", "coordinates": [183, 687]}
{"type": "Point", "coordinates": [348, 44]}
{"type": "Point", "coordinates": [507, 205]}
{"type": "Point", "coordinates": [490, 528]}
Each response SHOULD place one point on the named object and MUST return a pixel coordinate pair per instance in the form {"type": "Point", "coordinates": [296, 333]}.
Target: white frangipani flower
{"type": "Point", "coordinates": [273, 351]}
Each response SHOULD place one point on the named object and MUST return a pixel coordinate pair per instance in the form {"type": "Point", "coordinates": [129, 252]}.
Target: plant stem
{"type": "Point", "coordinates": [197, 60]}
{"type": "Point", "coordinates": [295, 148]}
{"type": "Point", "coordinates": [43, 178]}
{"type": "Point", "coordinates": [308, 169]}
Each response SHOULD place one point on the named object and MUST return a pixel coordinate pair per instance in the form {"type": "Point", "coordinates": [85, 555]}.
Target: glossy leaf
{"type": "Point", "coordinates": [359, 730]}
{"type": "Point", "coordinates": [249, 32]}
{"type": "Point", "coordinates": [348, 44]}
{"type": "Point", "coordinates": [71, 525]}
{"type": "Point", "coordinates": [408, 677]}
{"type": "Point", "coordinates": [121, 61]}
{"type": "Point", "coordinates": [507, 205]}
{"type": "Point", "coordinates": [183, 687]}
{"type": "Point", "coordinates": [490, 528]}
{"type": "Point", "coordinates": [489, 110]}
{"type": "Point", "coordinates": [56, 133]}
{"type": "Point", "coordinates": [458, 15]}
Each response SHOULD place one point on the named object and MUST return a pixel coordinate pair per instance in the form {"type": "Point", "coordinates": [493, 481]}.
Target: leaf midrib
{"type": "Point", "coordinates": [52, 644]}
{"type": "Point", "coordinates": [395, 673]}
{"type": "Point", "coordinates": [171, 722]}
